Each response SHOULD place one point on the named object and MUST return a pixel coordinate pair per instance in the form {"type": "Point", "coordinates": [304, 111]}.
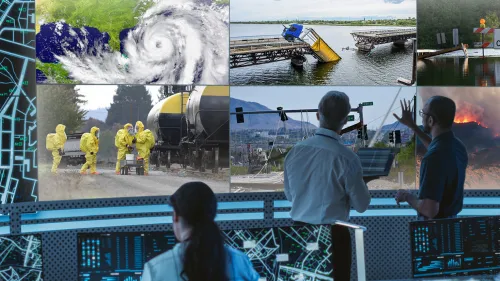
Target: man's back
{"type": "Point", "coordinates": [323, 178]}
{"type": "Point", "coordinates": [442, 174]}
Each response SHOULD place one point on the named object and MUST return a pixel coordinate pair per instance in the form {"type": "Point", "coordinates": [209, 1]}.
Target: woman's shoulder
{"type": "Point", "coordinates": [163, 259]}
{"type": "Point", "coordinates": [236, 254]}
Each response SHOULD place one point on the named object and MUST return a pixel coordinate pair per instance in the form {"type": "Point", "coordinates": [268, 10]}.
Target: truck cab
{"type": "Point", "coordinates": [292, 32]}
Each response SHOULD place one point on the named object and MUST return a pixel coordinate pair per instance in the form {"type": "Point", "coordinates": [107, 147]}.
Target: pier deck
{"type": "Point", "coordinates": [368, 39]}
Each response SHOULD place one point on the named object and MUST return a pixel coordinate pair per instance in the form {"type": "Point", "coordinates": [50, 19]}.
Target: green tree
{"type": "Point", "coordinates": [59, 104]}
{"type": "Point", "coordinates": [380, 145]}
{"type": "Point", "coordinates": [130, 104]}
{"type": "Point", "coordinates": [445, 15]}
{"type": "Point", "coordinates": [492, 21]}
{"type": "Point", "coordinates": [91, 122]}
{"type": "Point", "coordinates": [107, 149]}
{"type": "Point", "coordinates": [407, 154]}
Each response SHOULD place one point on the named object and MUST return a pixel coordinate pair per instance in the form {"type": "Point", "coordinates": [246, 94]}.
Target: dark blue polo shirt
{"type": "Point", "coordinates": [442, 174]}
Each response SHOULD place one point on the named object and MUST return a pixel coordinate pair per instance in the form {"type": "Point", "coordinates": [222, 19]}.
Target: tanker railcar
{"type": "Point", "coordinates": [192, 129]}
{"type": "Point", "coordinates": [167, 121]}
{"type": "Point", "coordinates": [207, 116]}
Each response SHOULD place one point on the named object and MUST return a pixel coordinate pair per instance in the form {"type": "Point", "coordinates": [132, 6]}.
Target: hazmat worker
{"type": "Point", "coordinates": [55, 143]}
{"type": "Point", "coordinates": [89, 143]}
{"type": "Point", "coordinates": [144, 143]}
{"type": "Point", "coordinates": [124, 140]}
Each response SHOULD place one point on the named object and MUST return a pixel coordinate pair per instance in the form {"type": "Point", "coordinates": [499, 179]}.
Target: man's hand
{"type": "Point", "coordinates": [406, 115]}
{"type": "Point", "coordinates": [401, 196]}
{"type": "Point", "coordinates": [134, 140]}
{"type": "Point", "coordinates": [91, 153]}
{"type": "Point", "coordinates": [61, 153]}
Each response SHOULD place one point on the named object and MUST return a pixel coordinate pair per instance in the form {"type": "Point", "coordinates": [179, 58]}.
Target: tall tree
{"type": "Point", "coordinates": [59, 104]}
{"type": "Point", "coordinates": [445, 15]}
{"type": "Point", "coordinates": [130, 104]}
{"type": "Point", "coordinates": [162, 93]}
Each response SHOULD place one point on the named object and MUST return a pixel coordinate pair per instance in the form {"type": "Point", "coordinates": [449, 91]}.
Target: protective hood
{"type": "Point", "coordinates": [60, 130]}
{"type": "Point", "coordinates": [131, 130]}
{"type": "Point", "coordinates": [94, 131]}
{"type": "Point", "coordinates": [139, 127]}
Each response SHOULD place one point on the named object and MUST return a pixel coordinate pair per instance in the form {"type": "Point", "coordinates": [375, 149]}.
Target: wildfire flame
{"type": "Point", "coordinates": [468, 119]}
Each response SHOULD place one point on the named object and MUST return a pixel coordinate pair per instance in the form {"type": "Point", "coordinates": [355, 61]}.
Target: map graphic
{"type": "Point", "coordinates": [21, 258]}
{"type": "Point", "coordinates": [18, 167]}
{"type": "Point", "coordinates": [132, 41]}
{"type": "Point", "coordinates": [301, 253]}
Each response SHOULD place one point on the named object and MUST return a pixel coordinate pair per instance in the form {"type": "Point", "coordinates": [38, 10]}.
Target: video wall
{"type": "Point", "coordinates": [104, 100]}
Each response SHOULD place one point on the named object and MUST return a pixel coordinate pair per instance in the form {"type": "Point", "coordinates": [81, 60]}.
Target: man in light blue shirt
{"type": "Point", "coordinates": [323, 179]}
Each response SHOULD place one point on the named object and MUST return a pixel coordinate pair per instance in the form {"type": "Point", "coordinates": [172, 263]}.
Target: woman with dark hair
{"type": "Point", "coordinates": [201, 254]}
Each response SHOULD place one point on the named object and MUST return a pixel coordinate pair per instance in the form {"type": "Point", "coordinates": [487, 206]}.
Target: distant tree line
{"type": "Point", "coordinates": [381, 22]}
{"type": "Point", "coordinates": [444, 15]}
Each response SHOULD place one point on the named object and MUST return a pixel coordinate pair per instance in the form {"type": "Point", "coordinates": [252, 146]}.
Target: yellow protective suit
{"type": "Point", "coordinates": [123, 140]}
{"type": "Point", "coordinates": [58, 142]}
{"type": "Point", "coordinates": [91, 147]}
{"type": "Point", "coordinates": [145, 141]}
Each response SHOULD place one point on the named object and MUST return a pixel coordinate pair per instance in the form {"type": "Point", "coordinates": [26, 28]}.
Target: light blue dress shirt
{"type": "Point", "coordinates": [323, 179]}
{"type": "Point", "coordinates": [168, 266]}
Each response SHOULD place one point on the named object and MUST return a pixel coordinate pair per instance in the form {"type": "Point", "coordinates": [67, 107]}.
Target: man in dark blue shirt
{"type": "Point", "coordinates": [443, 168]}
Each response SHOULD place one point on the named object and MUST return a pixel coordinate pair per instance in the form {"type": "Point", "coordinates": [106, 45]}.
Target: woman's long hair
{"type": "Point", "coordinates": [205, 255]}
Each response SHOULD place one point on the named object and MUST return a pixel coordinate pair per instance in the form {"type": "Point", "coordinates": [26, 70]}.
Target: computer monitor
{"type": "Point", "coordinates": [286, 253]}
{"type": "Point", "coordinates": [119, 256]}
{"type": "Point", "coordinates": [376, 162]}
{"type": "Point", "coordinates": [21, 257]}
{"type": "Point", "coordinates": [461, 246]}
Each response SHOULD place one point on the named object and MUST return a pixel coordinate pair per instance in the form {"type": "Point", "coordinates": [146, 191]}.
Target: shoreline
{"type": "Point", "coordinates": [326, 24]}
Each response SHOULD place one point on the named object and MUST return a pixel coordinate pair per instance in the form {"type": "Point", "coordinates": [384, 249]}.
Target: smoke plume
{"type": "Point", "coordinates": [478, 105]}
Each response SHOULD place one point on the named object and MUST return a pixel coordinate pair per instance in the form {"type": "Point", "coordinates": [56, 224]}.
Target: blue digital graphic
{"type": "Point", "coordinates": [21, 258]}
{"type": "Point", "coordinates": [461, 246]}
{"type": "Point", "coordinates": [18, 167]}
{"type": "Point", "coordinates": [119, 256]}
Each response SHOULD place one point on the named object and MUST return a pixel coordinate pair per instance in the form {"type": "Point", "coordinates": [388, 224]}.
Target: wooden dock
{"type": "Point", "coordinates": [253, 51]}
{"type": "Point", "coordinates": [366, 40]}
{"type": "Point", "coordinates": [428, 54]}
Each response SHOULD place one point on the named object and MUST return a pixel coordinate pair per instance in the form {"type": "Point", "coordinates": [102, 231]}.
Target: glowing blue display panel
{"type": "Point", "coordinates": [21, 258]}
{"type": "Point", "coordinates": [462, 246]}
{"type": "Point", "coordinates": [280, 253]}
{"type": "Point", "coordinates": [286, 253]}
{"type": "Point", "coordinates": [119, 256]}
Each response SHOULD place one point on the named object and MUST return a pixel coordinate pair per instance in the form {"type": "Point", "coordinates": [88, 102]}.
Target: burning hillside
{"type": "Point", "coordinates": [477, 125]}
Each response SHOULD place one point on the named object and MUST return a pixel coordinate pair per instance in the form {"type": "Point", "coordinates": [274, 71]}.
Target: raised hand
{"type": "Point", "coordinates": [406, 114]}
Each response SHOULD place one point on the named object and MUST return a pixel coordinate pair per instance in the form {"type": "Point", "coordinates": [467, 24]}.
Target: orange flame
{"type": "Point", "coordinates": [468, 119]}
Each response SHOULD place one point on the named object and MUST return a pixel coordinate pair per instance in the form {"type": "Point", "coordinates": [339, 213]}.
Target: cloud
{"type": "Point", "coordinates": [394, 1]}
{"type": "Point", "coordinates": [298, 9]}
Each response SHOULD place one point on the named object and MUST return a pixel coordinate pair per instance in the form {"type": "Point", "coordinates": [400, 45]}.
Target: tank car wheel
{"type": "Point", "coordinates": [169, 162]}
{"type": "Point", "coordinates": [157, 158]}
{"type": "Point", "coordinates": [202, 161]}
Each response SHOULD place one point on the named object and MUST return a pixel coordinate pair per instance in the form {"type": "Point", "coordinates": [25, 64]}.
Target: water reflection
{"type": "Point", "coordinates": [458, 71]}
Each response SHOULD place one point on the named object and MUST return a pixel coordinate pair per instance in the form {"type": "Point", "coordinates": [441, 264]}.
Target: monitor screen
{"type": "Point", "coordinates": [376, 161]}
{"type": "Point", "coordinates": [119, 256]}
{"type": "Point", "coordinates": [286, 253]}
{"type": "Point", "coordinates": [462, 246]}
{"type": "Point", "coordinates": [21, 257]}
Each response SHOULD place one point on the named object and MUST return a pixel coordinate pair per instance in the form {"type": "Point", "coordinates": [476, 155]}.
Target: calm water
{"type": "Point", "coordinates": [383, 66]}
{"type": "Point", "coordinates": [459, 72]}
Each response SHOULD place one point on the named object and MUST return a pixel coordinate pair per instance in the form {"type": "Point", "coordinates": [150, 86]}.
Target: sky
{"type": "Point", "coordinates": [301, 97]}
{"type": "Point", "coordinates": [101, 96]}
{"type": "Point", "coordinates": [244, 10]}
